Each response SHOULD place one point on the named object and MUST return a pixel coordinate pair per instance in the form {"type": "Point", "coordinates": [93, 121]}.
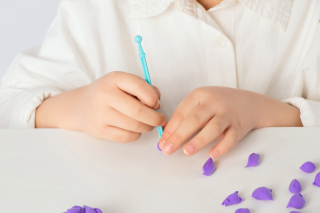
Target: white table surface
{"type": "Point", "coordinates": [52, 170]}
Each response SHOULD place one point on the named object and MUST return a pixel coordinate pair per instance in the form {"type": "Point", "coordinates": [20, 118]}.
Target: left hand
{"type": "Point", "coordinates": [226, 113]}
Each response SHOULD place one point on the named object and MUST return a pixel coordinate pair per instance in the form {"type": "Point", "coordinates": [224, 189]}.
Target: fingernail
{"type": "Point", "coordinates": [167, 149]}
{"type": "Point", "coordinates": [215, 153]}
{"type": "Point", "coordinates": [161, 142]}
{"type": "Point", "coordinates": [189, 149]}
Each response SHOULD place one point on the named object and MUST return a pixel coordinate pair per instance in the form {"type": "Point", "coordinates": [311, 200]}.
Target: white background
{"type": "Point", "coordinates": [23, 24]}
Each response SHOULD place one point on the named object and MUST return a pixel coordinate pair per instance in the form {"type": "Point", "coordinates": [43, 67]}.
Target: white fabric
{"type": "Point", "coordinates": [268, 46]}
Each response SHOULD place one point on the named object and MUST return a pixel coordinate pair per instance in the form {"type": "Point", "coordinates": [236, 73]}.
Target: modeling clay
{"type": "Point", "coordinates": [308, 167]}
{"type": "Point", "coordinates": [159, 147]}
{"type": "Point", "coordinates": [232, 199]}
{"type": "Point", "coordinates": [84, 209]}
{"type": "Point", "coordinates": [294, 212]}
{"type": "Point", "coordinates": [208, 168]}
{"type": "Point", "coordinates": [242, 211]}
{"type": "Point", "coordinates": [253, 160]}
{"type": "Point", "coordinates": [295, 186]}
{"type": "Point", "coordinates": [262, 193]}
{"type": "Point", "coordinates": [296, 201]}
{"type": "Point", "coordinates": [317, 180]}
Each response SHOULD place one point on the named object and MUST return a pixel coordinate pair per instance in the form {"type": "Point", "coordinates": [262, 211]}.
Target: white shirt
{"type": "Point", "coordinates": [268, 46]}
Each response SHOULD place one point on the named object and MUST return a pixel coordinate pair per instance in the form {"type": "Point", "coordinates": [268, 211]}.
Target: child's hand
{"type": "Point", "coordinates": [222, 112]}
{"type": "Point", "coordinates": [109, 108]}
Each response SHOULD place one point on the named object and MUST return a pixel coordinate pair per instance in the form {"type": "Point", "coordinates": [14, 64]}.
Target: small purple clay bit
{"type": "Point", "coordinates": [262, 193]}
{"type": "Point", "coordinates": [295, 186]}
{"type": "Point", "coordinates": [208, 168]}
{"type": "Point", "coordinates": [242, 211]}
{"type": "Point", "coordinates": [296, 201]}
{"type": "Point", "coordinates": [308, 167]}
{"type": "Point", "coordinates": [294, 212]}
{"type": "Point", "coordinates": [232, 199]}
{"type": "Point", "coordinates": [159, 147]}
{"type": "Point", "coordinates": [253, 160]}
{"type": "Point", "coordinates": [84, 209]}
{"type": "Point", "coordinates": [317, 180]}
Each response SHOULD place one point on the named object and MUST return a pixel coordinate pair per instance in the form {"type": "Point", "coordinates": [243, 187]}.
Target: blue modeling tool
{"type": "Point", "coordinates": [143, 60]}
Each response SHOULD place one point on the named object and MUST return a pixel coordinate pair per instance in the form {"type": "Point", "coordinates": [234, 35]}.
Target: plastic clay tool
{"type": "Point", "coordinates": [143, 60]}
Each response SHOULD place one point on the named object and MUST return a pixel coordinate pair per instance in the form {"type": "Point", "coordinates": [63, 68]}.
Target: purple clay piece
{"type": "Point", "coordinates": [295, 186]}
{"type": "Point", "coordinates": [294, 212]}
{"type": "Point", "coordinates": [232, 199]}
{"type": "Point", "coordinates": [262, 193]}
{"type": "Point", "coordinates": [296, 201]}
{"type": "Point", "coordinates": [242, 211]}
{"type": "Point", "coordinates": [253, 160]}
{"type": "Point", "coordinates": [84, 209]}
{"type": "Point", "coordinates": [208, 168]}
{"type": "Point", "coordinates": [317, 180]}
{"type": "Point", "coordinates": [159, 147]}
{"type": "Point", "coordinates": [308, 167]}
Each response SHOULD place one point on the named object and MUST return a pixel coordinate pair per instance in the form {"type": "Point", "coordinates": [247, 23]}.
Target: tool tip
{"type": "Point", "coordinates": [138, 39]}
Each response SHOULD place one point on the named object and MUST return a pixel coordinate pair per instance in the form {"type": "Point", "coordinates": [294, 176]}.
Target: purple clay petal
{"type": "Point", "coordinates": [232, 199]}
{"type": "Point", "coordinates": [88, 209]}
{"type": "Point", "coordinates": [253, 160]}
{"type": "Point", "coordinates": [208, 168]}
{"type": "Point", "coordinates": [317, 180]}
{"type": "Point", "coordinates": [296, 201]}
{"type": "Point", "coordinates": [76, 209]}
{"type": "Point", "coordinates": [242, 211]}
{"type": "Point", "coordinates": [308, 167]}
{"type": "Point", "coordinates": [98, 210]}
{"type": "Point", "coordinates": [295, 187]}
{"type": "Point", "coordinates": [159, 147]}
{"type": "Point", "coordinates": [262, 193]}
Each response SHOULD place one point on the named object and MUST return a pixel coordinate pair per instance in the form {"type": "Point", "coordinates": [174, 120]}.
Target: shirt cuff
{"type": "Point", "coordinates": [309, 110]}
{"type": "Point", "coordinates": [24, 111]}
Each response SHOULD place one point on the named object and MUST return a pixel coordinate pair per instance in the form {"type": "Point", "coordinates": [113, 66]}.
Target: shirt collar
{"type": "Point", "coordinates": [276, 11]}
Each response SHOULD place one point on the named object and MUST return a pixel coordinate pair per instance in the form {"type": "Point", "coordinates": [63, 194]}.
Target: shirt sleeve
{"type": "Point", "coordinates": [309, 103]}
{"type": "Point", "coordinates": [61, 63]}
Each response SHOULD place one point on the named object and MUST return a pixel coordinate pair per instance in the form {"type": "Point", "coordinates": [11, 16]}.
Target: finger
{"type": "Point", "coordinates": [116, 134]}
{"type": "Point", "coordinates": [133, 108]}
{"type": "Point", "coordinates": [117, 119]}
{"type": "Point", "coordinates": [181, 112]}
{"type": "Point", "coordinates": [157, 91]}
{"type": "Point", "coordinates": [138, 87]}
{"type": "Point", "coordinates": [192, 123]}
{"type": "Point", "coordinates": [230, 139]}
{"type": "Point", "coordinates": [210, 132]}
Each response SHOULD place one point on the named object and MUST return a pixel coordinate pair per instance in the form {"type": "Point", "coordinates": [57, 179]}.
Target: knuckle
{"type": "Point", "coordinates": [133, 124]}
{"type": "Point", "coordinates": [200, 141]}
{"type": "Point", "coordinates": [234, 136]}
{"type": "Point", "coordinates": [177, 137]}
{"type": "Point", "coordinates": [121, 138]}
{"type": "Point", "coordinates": [178, 117]}
{"type": "Point", "coordinates": [158, 119]}
{"type": "Point", "coordinates": [226, 147]}
{"type": "Point", "coordinates": [195, 119]}
{"type": "Point", "coordinates": [136, 110]}
{"type": "Point", "coordinates": [217, 127]}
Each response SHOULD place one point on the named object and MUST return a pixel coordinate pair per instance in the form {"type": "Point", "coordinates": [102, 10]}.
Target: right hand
{"type": "Point", "coordinates": [118, 106]}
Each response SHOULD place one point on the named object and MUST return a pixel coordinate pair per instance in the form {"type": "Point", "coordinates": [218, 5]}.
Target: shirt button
{"type": "Point", "coordinates": [221, 41]}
